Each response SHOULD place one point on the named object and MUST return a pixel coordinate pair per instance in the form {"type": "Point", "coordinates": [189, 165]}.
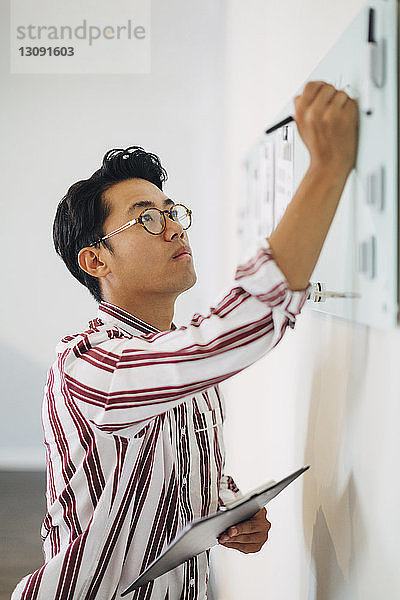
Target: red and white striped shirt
{"type": "Point", "coordinates": [132, 422]}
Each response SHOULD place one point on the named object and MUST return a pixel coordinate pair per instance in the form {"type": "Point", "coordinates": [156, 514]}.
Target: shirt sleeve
{"type": "Point", "coordinates": [120, 384]}
{"type": "Point", "coordinates": [228, 491]}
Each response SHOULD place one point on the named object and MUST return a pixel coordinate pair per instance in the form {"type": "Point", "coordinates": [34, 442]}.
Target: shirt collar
{"type": "Point", "coordinates": [110, 313]}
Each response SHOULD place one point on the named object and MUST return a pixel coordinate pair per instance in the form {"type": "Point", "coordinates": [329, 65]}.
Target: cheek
{"type": "Point", "coordinates": [133, 247]}
{"type": "Point", "coordinates": [141, 258]}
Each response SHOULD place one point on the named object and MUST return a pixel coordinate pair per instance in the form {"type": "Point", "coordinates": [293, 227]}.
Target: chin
{"type": "Point", "coordinates": [194, 279]}
{"type": "Point", "coordinates": [190, 282]}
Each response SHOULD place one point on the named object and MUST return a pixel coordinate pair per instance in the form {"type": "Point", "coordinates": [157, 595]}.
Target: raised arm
{"type": "Point", "coordinates": [122, 383]}
{"type": "Point", "coordinates": [119, 383]}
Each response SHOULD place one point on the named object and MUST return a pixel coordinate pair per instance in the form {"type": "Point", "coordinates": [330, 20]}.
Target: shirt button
{"type": "Point", "coordinates": [191, 582]}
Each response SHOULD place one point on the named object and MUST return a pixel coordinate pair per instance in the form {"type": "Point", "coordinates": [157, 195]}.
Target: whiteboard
{"type": "Point", "coordinates": [360, 255]}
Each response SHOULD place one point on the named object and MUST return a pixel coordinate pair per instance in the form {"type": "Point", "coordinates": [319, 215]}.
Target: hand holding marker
{"type": "Point", "coordinates": [290, 118]}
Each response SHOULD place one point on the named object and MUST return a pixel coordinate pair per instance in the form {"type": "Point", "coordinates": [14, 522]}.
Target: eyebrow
{"type": "Point", "coordinates": [146, 204]}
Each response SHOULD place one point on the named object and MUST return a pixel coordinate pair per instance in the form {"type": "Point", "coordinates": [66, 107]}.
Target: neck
{"type": "Point", "coordinates": [157, 310]}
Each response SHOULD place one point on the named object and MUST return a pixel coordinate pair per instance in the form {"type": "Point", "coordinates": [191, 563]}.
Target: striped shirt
{"type": "Point", "coordinates": [132, 420]}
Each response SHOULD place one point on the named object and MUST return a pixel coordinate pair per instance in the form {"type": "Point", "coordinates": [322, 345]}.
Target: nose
{"type": "Point", "coordinates": [172, 229]}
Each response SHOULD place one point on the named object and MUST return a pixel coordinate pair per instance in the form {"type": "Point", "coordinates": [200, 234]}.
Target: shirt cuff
{"type": "Point", "coordinates": [263, 279]}
{"type": "Point", "coordinates": [228, 491]}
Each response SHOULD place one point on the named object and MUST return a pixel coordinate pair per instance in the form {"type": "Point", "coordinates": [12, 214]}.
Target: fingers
{"type": "Point", "coordinates": [249, 538]}
{"type": "Point", "coordinates": [249, 526]}
{"type": "Point", "coordinates": [254, 525]}
{"type": "Point", "coordinates": [310, 91]}
{"type": "Point", "coordinates": [317, 96]}
{"type": "Point", "coordinates": [253, 531]}
{"type": "Point", "coordinates": [314, 99]}
{"type": "Point", "coordinates": [343, 107]}
{"type": "Point", "coordinates": [338, 99]}
{"type": "Point", "coordinates": [319, 105]}
{"type": "Point", "coordinates": [246, 548]}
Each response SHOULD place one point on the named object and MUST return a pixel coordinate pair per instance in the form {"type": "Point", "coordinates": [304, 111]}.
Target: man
{"type": "Point", "coordinates": [132, 412]}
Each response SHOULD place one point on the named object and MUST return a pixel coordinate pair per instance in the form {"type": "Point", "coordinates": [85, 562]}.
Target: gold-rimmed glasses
{"type": "Point", "coordinates": [154, 221]}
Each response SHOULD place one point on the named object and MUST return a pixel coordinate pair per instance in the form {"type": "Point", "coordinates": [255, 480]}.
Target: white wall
{"type": "Point", "coordinates": [328, 395]}
{"type": "Point", "coordinates": [55, 131]}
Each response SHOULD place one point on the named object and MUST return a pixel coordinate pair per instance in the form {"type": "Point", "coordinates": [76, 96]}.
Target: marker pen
{"type": "Point", "coordinates": [370, 49]}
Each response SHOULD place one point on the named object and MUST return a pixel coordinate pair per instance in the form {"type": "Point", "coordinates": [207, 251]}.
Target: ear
{"type": "Point", "coordinates": [90, 261]}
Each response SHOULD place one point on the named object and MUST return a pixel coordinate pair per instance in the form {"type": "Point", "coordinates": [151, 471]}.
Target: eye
{"type": "Point", "coordinates": [147, 217]}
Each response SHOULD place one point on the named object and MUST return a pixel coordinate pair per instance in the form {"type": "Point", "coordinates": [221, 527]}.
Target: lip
{"type": "Point", "coordinates": [182, 252]}
{"type": "Point", "coordinates": [182, 255]}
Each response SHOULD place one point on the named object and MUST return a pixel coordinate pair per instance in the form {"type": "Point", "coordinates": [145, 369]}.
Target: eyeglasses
{"type": "Point", "coordinates": [154, 220]}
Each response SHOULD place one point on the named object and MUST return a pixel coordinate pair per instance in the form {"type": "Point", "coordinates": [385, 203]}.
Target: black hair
{"type": "Point", "coordinates": [82, 211]}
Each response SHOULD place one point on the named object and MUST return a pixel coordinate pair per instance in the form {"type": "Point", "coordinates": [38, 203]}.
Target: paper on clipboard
{"type": "Point", "coordinates": [203, 533]}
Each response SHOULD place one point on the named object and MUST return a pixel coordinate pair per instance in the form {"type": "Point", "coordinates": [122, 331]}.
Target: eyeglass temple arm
{"type": "Point", "coordinates": [122, 228]}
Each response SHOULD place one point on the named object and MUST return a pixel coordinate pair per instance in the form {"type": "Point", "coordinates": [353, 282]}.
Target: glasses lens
{"type": "Point", "coordinates": [180, 213]}
{"type": "Point", "coordinates": [153, 220]}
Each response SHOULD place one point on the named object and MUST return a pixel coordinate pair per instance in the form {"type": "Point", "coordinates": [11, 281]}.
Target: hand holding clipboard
{"type": "Point", "coordinates": [203, 533]}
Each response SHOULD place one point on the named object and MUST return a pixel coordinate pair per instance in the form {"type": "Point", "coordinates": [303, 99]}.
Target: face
{"type": "Point", "coordinates": [142, 263]}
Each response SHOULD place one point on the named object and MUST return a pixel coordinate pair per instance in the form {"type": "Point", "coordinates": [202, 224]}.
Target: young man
{"type": "Point", "coordinates": [132, 412]}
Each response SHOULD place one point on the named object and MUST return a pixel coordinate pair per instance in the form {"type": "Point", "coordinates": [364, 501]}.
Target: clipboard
{"type": "Point", "coordinates": [203, 533]}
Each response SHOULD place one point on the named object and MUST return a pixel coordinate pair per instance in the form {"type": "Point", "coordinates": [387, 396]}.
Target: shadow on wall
{"type": "Point", "coordinates": [21, 434]}
{"type": "Point", "coordinates": [333, 524]}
